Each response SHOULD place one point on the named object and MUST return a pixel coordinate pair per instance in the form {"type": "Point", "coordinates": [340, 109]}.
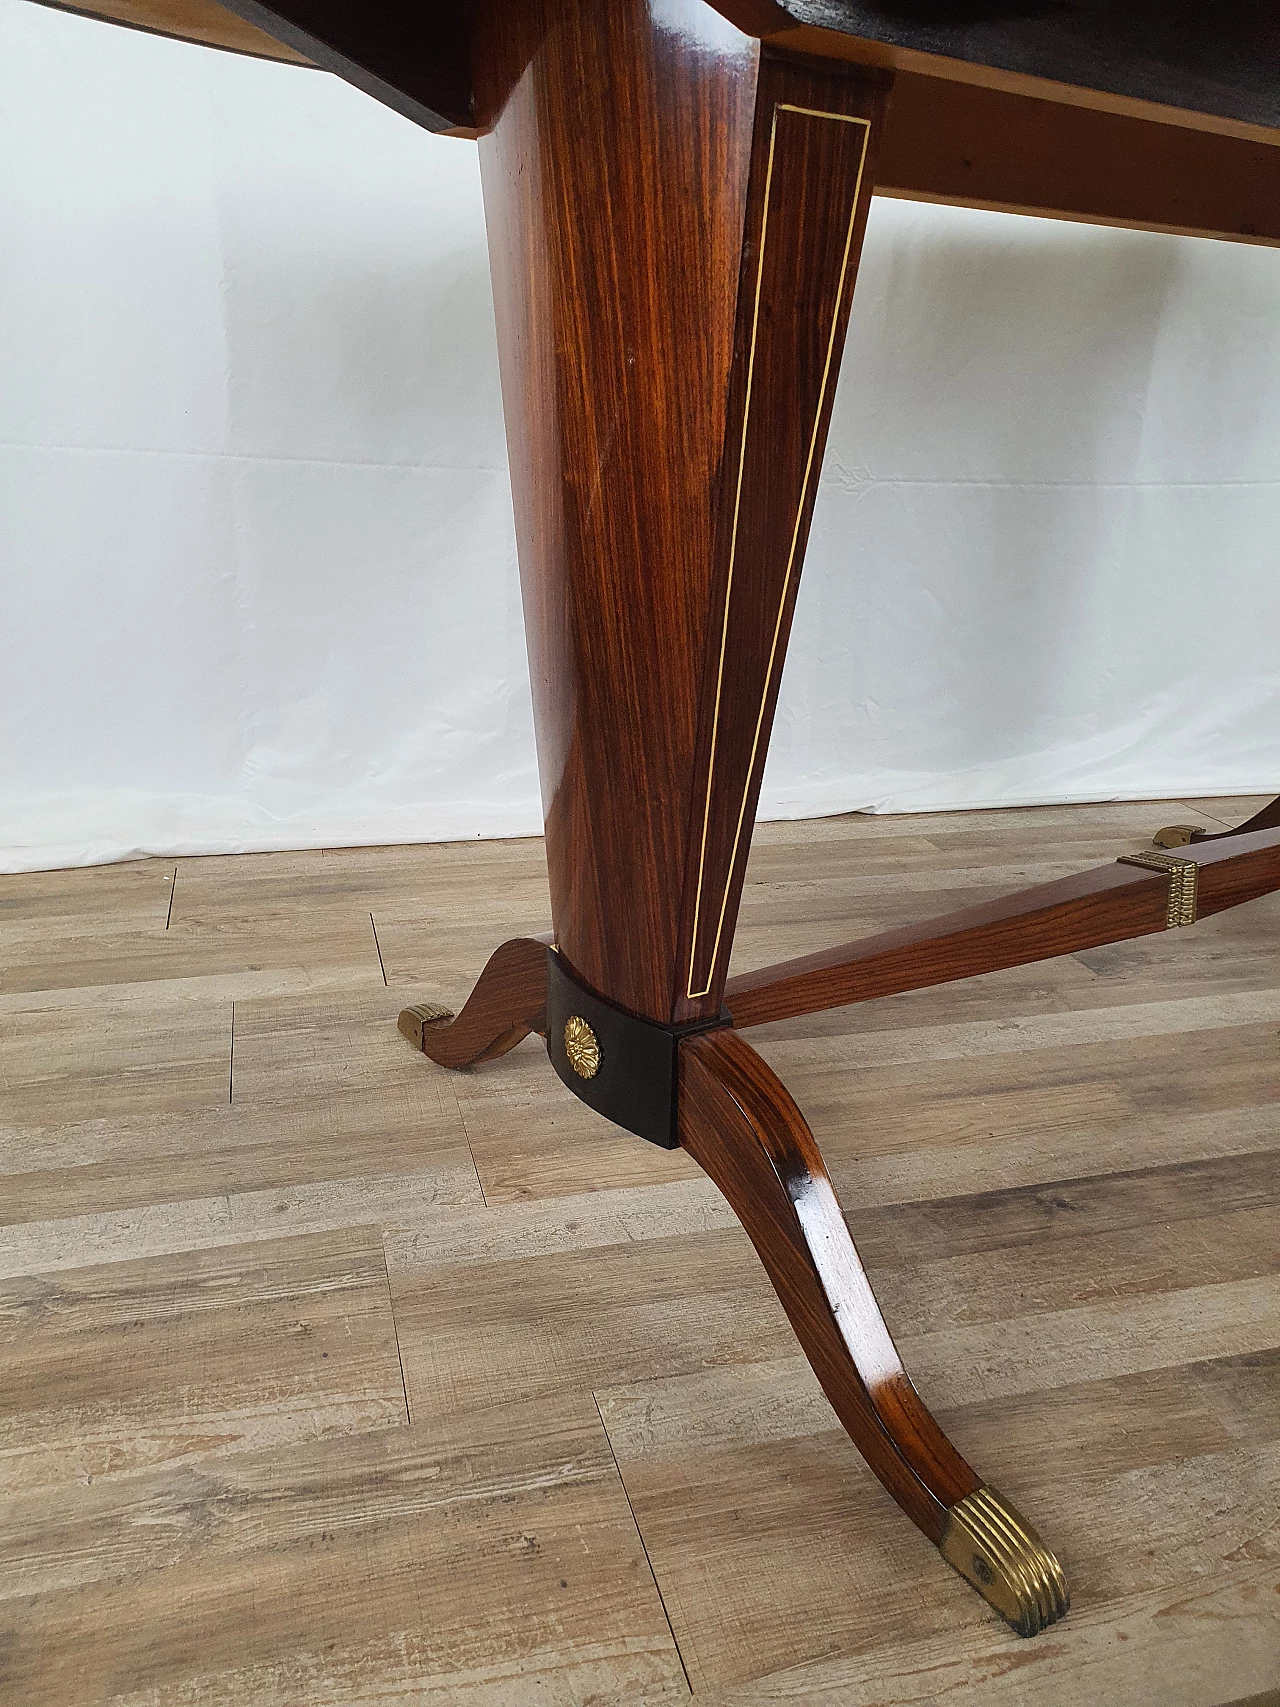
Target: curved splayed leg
{"type": "Point", "coordinates": [739, 1122]}
{"type": "Point", "coordinates": [508, 1002]}
{"type": "Point", "coordinates": [1181, 835]}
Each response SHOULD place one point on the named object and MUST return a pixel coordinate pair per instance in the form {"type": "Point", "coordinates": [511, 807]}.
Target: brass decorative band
{"type": "Point", "coordinates": [999, 1552]}
{"type": "Point", "coordinates": [842, 118]}
{"type": "Point", "coordinates": [1184, 883]}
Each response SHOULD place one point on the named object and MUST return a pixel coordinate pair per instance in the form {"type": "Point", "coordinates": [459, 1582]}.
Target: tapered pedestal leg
{"type": "Point", "coordinates": [675, 215]}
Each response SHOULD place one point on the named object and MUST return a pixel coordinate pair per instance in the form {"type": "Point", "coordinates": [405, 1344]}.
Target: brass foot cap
{"type": "Point", "coordinates": [1176, 835]}
{"type": "Point", "coordinates": [412, 1020]}
{"type": "Point", "coordinates": [1006, 1561]}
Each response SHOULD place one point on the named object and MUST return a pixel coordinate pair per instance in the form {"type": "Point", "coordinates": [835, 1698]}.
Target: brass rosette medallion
{"type": "Point", "coordinates": [999, 1552]}
{"type": "Point", "coordinates": [581, 1047]}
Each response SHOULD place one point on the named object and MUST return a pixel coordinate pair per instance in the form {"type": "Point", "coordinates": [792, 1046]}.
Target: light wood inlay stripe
{"type": "Point", "coordinates": [695, 990]}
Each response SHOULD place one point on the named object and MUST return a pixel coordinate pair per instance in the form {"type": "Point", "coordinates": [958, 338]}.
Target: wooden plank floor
{"type": "Point", "coordinates": [330, 1378]}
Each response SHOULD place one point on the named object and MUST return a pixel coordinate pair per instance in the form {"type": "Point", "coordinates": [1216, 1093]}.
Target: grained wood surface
{"type": "Point", "coordinates": [674, 218]}
{"type": "Point", "coordinates": [411, 57]}
{"type": "Point", "coordinates": [329, 1377]}
{"type": "Point", "coordinates": [1217, 59]}
{"type": "Point", "coordinates": [508, 1002]}
{"type": "Point", "coordinates": [1054, 138]}
{"type": "Point", "coordinates": [973, 146]}
{"type": "Point", "coordinates": [1112, 903]}
{"type": "Point", "coordinates": [615, 186]}
{"type": "Point", "coordinates": [813, 166]}
{"type": "Point", "coordinates": [1267, 817]}
{"type": "Point", "coordinates": [200, 21]}
{"type": "Point", "coordinates": [740, 1124]}
{"type": "Point", "coordinates": [1198, 66]}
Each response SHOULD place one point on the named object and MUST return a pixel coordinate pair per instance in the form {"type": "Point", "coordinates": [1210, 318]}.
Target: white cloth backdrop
{"type": "Point", "coordinates": [257, 574]}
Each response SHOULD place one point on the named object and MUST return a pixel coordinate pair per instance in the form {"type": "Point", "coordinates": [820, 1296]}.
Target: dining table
{"type": "Point", "coordinates": [675, 194]}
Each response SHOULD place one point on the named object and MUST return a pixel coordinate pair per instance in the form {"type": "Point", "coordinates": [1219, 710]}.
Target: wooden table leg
{"type": "Point", "coordinates": [508, 1003]}
{"type": "Point", "coordinates": [1182, 835]}
{"type": "Point", "coordinates": [675, 216]}
{"type": "Point", "coordinates": [739, 1122]}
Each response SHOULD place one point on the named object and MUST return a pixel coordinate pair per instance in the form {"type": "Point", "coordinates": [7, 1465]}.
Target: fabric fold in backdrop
{"type": "Point", "coordinates": [257, 570]}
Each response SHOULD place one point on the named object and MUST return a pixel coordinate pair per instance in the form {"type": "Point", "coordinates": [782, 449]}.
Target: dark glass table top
{"type": "Point", "coordinates": [1219, 57]}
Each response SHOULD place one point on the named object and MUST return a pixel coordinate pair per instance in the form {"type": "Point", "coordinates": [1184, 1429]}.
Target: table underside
{"type": "Point", "coordinates": [1220, 59]}
{"type": "Point", "coordinates": [1163, 119]}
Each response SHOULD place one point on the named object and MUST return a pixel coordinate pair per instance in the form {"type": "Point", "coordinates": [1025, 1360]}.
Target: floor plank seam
{"type": "Point", "coordinates": [378, 946]}
{"type": "Point", "coordinates": [1205, 814]}
{"type": "Point", "coordinates": [657, 1587]}
{"type": "Point", "coordinates": [395, 1328]}
{"type": "Point", "coordinates": [231, 1068]}
{"type": "Point", "coordinates": [173, 884]}
{"type": "Point", "coordinates": [462, 1119]}
{"type": "Point", "coordinates": [1089, 969]}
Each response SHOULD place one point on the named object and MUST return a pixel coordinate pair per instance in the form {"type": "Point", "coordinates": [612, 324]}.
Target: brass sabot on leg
{"type": "Point", "coordinates": [413, 1019]}
{"type": "Point", "coordinates": [1176, 835]}
{"type": "Point", "coordinates": [999, 1552]}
